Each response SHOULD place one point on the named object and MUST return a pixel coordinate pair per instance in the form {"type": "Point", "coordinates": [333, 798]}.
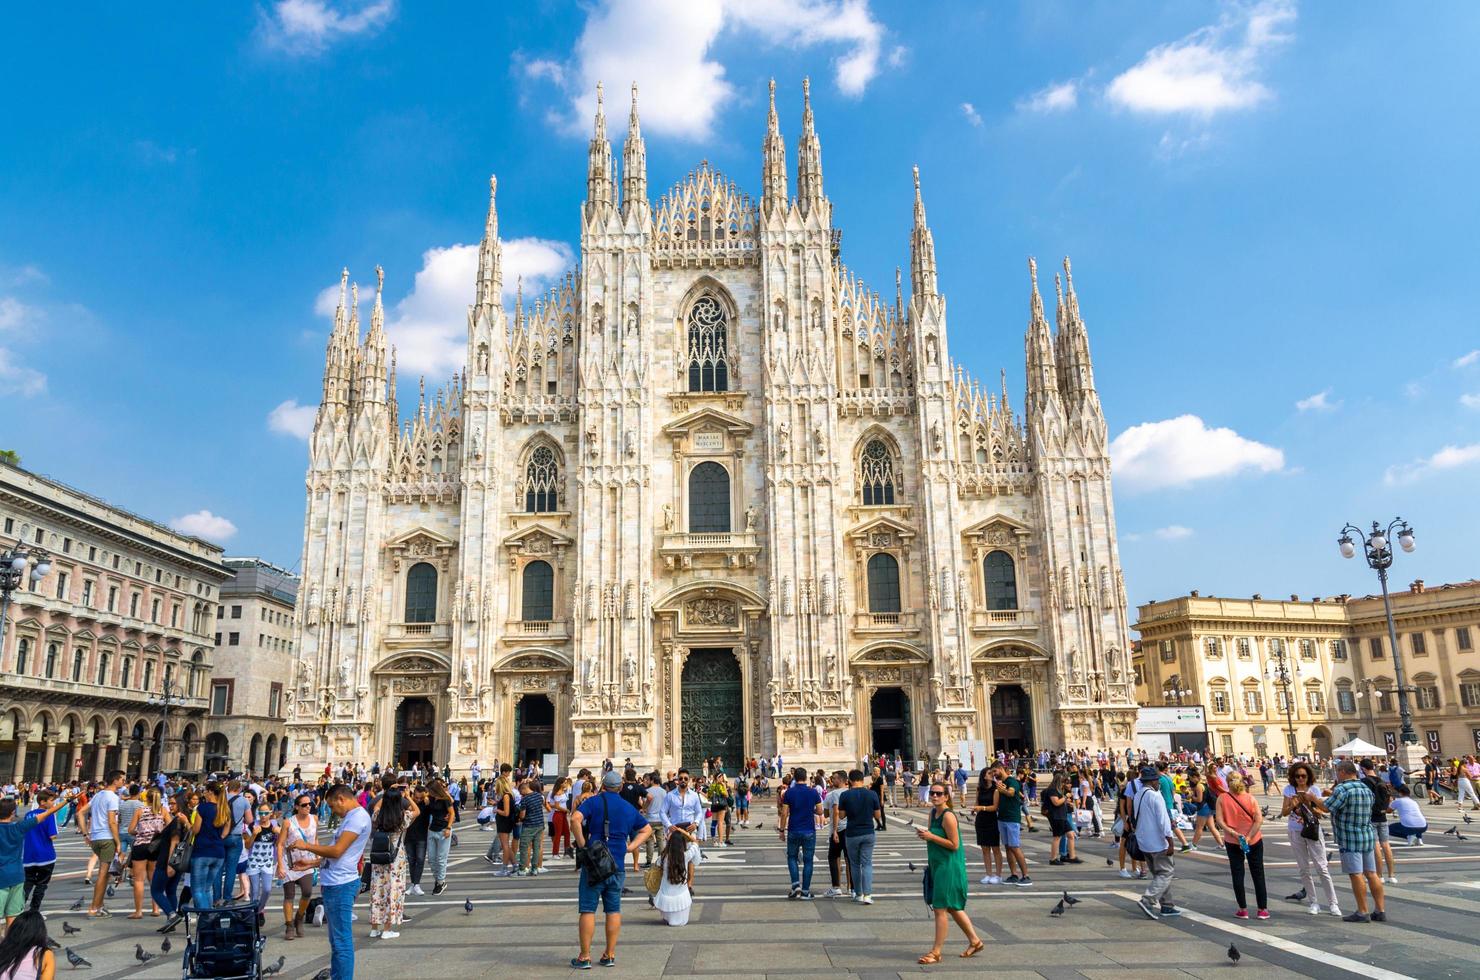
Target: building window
{"type": "Point", "coordinates": [10, 525]}
{"type": "Point", "coordinates": [1214, 647]}
{"type": "Point", "coordinates": [883, 583]}
{"type": "Point", "coordinates": [1375, 646]}
{"type": "Point", "coordinates": [87, 593]}
{"type": "Point", "coordinates": [709, 499]}
{"type": "Point", "coordinates": [709, 368]}
{"type": "Point", "coordinates": [541, 482]}
{"type": "Point", "coordinates": [148, 675]}
{"type": "Point", "coordinates": [1168, 652]}
{"type": "Point", "coordinates": [1283, 701]}
{"type": "Point", "coordinates": [128, 672]}
{"type": "Point", "coordinates": [154, 611]}
{"type": "Point", "coordinates": [1469, 694]}
{"type": "Point", "coordinates": [1001, 578]}
{"type": "Point", "coordinates": [421, 594]}
{"type": "Point", "coordinates": [1276, 646]}
{"type": "Point", "coordinates": [275, 700]}
{"type": "Point", "coordinates": [1307, 649]}
{"type": "Point", "coordinates": [1253, 702]}
{"type": "Point", "coordinates": [22, 654]}
{"type": "Point", "coordinates": [79, 657]}
{"type": "Point", "coordinates": [220, 699]}
{"type": "Point", "coordinates": [1338, 649]}
{"type": "Point", "coordinates": [876, 474]}
{"type": "Point", "coordinates": [1428, 696]}
{"type": "Point", "coordinates": [538, 592]}
{"type": "Point", "coordinates": [1220, 702]}
{"type": "Point", "coordinates": [218, 639]}
{"type": "Point", "coordinates": [1419, 648]}
{"type": "Point", "coordinates": [233, 639]}
{"type": "Point", "coordinates": [1244, 647]}
{"type": "Point", "coordinates": [112, 598]}
{"type": "Point", "coordinates": [51, 660]}
{"type": "Point", "coordinates": [1315, 701]}
{"type": "Point", "coordinates": [61, 585]}
{"type": "Point", "coordinates": [103, 669]}
{"type": "Point", "coordinates": [236, 612]}
{"type": "Point", "coordinates": [133, 605]}
{"type": "Point", "coordinates": [66, 546]}
{"type": "Point", "coordinates": [1227, 744]}
{"type": "Point", "coordinates": [220, 612]}
{"type": "Point", "coordinates": [1462, 637]}
{"type": "Point", "coordinates": [1346, 701]}
{"type": "Point", "coordinates": [174, 616]}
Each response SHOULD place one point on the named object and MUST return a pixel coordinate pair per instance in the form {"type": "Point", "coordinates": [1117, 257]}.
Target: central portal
{"type": "Point", "coordinates": [1012, 719]}
{"type": "Point", "coordinates": [711, 713]}
{"type": "Point", "coordinates": [889, 714]}
{"type": "Point", "coordinates": [534, 729]}
{"type": "Point", "coordinates": [415, 721]}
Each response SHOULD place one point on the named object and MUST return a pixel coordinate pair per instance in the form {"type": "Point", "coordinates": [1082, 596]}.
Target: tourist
{"type": "Point", "coordinates": [148, 819]}
{"type": "Point", "coordinates": [1059, 808]}
{"type": "Point", "coordinates": [719, 806]}
{"type": "Point", "coordinates": [339, 877]}
{"type": "Point", "coordinates": [608, 818]}
{"type": "Point", "coordinates": [1168, 791]}
{"type": "Point", "coordinates": [1466, 777]}
{"type": "Point", "coordinates": [261, 840]}
{"type": "Point", "coordinates": [13, 835]}
{"type": "Point", "coordinates": [440, 813]}
{"type": "Point", "coordinates": [797, 826]}
{"type": "Point", "coordinates": [415, 841]}
{"type": "Point", "coordinates": [560, 816]}
{"type": "Point", "coordinates": [1200, 796]}
{"type": "Point", "coordinates": [210, 827]}
{"type": "Point", "coordinates": [988, 834]}
{"type": "Point", "coordinates": [24, 952]}
{"type": "Point", "coordinates": [742, 800]}
{"type": "Point", "coordinates": [1382, 794]}
{"type": "Point", "coordinates": [1240, 820]}
{"type": "Point", "coordinates": [1308, 838]}
{"type": "Point", "coordinates": [652, 810]}
{"type": "Point", "coordinates": [390, 871]}
{"type": "Point", "coordinates": [1350, 805]}
{"type": "Point", "coordinates": [947, 870]}
{"type": "Point", "coordinates": [129, 806]}
{"type": "Point", "coordinates": [531, 812]}
{"type": "Point", "coordinates": [837, 854]}
{"type": "Point", "coordinates": [1150, 826]}
{"type": "Point", "coordinates": [295, 866]}
{"type": "Point", "coordinates": [165, 884]}
{"type": "Point", "coordinates": [39, 854]}
{"type": "Point", "coordinates": [1010, 824]}
{"type": "Point", "coordinates": [239, 810]}
{"type": "Point", "coordinates": [682, 807]}
{"type": "Point", "coordinates": [862, 807]}
{"type": "Point", "coordinates": [102, 836]}
{"type": "Point", "coordinates": [680, 862]}
{"type": "Point", "coordinates": [504, 821]}
{"type": "Point", "coordinates": [1411, 822]}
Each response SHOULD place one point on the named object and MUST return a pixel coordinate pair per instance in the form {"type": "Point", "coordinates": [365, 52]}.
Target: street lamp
{"type": "Point", "coordinates": [1176, 692]}
{"type": "Point", "coordinates": [1371, 692]}
{"type": "Point", "coordinates": [13, 571]}
{"type": "Point", "coordinates": [171, 694]}
{"type": "Point", "coordinates": [1377, 548]}
{"type": "Point", "coordinates": [1283, 672]}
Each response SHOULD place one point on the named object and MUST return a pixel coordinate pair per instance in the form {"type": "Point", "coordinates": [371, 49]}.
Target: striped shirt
{"type": "Point", "coordinates": [1350, 804]}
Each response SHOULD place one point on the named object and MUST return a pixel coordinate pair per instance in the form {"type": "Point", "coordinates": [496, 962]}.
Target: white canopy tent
{"type": "Point", "coordinates": [1358, 747]}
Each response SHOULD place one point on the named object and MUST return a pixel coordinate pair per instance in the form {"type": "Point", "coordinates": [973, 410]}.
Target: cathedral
{"type": "Point", "coordinates": [711, 495]}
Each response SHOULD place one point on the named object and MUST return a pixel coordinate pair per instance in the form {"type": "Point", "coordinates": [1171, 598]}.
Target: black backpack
{"type": "Point", "coordinates": [1381, 796]}
{"type": "Point", "coordinates": [595, 858]}
{"type": "Point", "coordinates": [382, 850]}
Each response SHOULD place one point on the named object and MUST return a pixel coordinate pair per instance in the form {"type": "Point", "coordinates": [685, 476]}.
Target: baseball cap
{"type": "Point", "coordinates": [611, 779]}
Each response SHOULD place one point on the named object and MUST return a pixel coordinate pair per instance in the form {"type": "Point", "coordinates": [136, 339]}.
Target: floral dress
{"type": "Point", "coordinates": [388, 882]}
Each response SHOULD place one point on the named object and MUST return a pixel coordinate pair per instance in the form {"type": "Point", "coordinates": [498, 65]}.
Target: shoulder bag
{"type": "Point", "coordinates": [596, 858]}
{"type": "Point", "coordinates": [180, 856]}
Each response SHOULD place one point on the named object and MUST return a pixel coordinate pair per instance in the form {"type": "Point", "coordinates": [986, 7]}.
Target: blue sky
{"type": "Point", "coordinates": [1271, 210]}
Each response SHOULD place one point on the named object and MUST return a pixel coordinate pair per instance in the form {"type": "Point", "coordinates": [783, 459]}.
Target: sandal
{"type": "Point", "coordinates": [973, 949]}
{"type": "Point", "coordinates": [929, 958]}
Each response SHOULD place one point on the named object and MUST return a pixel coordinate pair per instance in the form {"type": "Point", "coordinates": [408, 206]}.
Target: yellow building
{"type": "Point", "coordinates": [1318, 670]}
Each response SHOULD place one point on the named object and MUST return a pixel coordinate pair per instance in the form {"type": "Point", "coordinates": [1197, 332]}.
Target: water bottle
{"type": "Point", "coordinates": [1243, 843]}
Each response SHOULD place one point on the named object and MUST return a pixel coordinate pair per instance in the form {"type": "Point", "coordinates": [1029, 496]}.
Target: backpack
{"type": "Point", "coordinates": [382, 849]}
{"type": "Point", "coordinates": [1381, 795]}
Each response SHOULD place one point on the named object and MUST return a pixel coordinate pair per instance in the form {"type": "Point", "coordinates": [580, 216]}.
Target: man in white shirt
{"type": "Point", "coordinates": [682, 807]}
{"type": "Point", "coordinates": [1154, 837]}
{"type": "Point", "coordinates": [102, 837]}
{"type": "Point", "coordinates": [339, 876]}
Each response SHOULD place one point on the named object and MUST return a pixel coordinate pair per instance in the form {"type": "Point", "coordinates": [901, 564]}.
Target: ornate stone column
{"type": "Point", "coordinates": [145, 750]}
{"type": "Point", "coordinates": [48, 758]}
{"type": "Point", "coordinates": [102, 758]}
{"type": "Point", "coordinates": [74, 765]}
{"type": "Point", "coordinates": [20, 760]}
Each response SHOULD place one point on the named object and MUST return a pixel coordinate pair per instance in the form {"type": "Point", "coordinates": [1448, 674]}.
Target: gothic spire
{"type": "Point", "coordinates": [490, 263]}
{"type": "Point", "coordinates": [1075, 367]}
{"type": "Point", "coordinates": [809, 156]}
{"type": "Point", "coordinates": [773, 167]}
{"type": "Point", "coordinates": [599, 169]}
{"type": "Point", "coordinates": [1043, 381]}
{"type": "Point", "coordinates": [922, 250]}
{"type": "Point", "coordinates": [898, 295]}
{"type": "Point", "coordinates": [339, 354]}
{"type": "Point", "coordinates": [634, 161]}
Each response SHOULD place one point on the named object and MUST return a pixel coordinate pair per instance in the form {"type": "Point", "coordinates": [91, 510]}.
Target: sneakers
{"type": "Point", "coordinates": [1315, 908]}
{"type": "Point", "coordinates": [1263, 914]}
{"type": "Point", "coordinates": [1335, 910]}
{"type": "Point", "coordinates": [1149, 906]}
{"type": "Point", "coordinates": [1241, 914]}
{"type": "Point", "coordinates": [1169, 911]}
{"type": "Point", "coordinates": [1390, 880]}
{"type": "Point", "coordinates": [415, 890]}
{"type": "Point", "coordinates": [1024, 881]}
{"type": "Point", "coordinates": [1011, 880]}
{"type": "Point", "coordinates": [374, 933]}
{"type": "Point", "coordinates": [1355, 917]}
{"type": "Point", "coordinates": [805, 896]}
{"type": "Point", "coordinates": [390, 935]}
{"type": "Point", "coordinates": [1055, 862]}
{"type": "Point", "coordinates": [489, 859]}
{"type": "Point", "coordinates": [866, 900]}
{"type": "Point", "coordinates": [439, 888]}
{"type": "Point", "coordinates": [318, 914]}
{"type": "Point", "coordinates": [1125, 873]}
{"type": "Point", "coordinates": [832, 893]}
{"type": "Point", "coordinates": [521, 873]}
{"type": "Point", "coordinates": [795, 892]}
{"type": "Point", "coordinates": [1379, 916]}
{"type": "Point", "coordinates": [503, 872]}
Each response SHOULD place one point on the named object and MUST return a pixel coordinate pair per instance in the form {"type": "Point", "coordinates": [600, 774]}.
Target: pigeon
{"type": "Point", "coordinates": [467, 906]}
{"type": "Point", "coordinates": [1264, 811]}
{"type": "Point", "coordinates": [1070, 899]}
{"type": "Point", "coordinates": [140, 955]}
{"type": "Point", "coordinates": [911, 864]}
{"type": "Point", "coordinates": [1058, 909]}
{"type": "Point", "coordinates": [68, 929]}
{"type": "Point", "coordinates": [1460, 837]}
{"type": "Point", "coordinates": [322, 974]}
{"type": "Point", "coordinates": [454, 840]}
{"type": "Point", "coordinates": [111, 889]}
{"type": "Point", "coordinates": [1233, 954]}
{"type": "Point", "coordinates": [74, 959]}
{"type": "Point", "coordinates": [274, 968]}
{"type": "Point", "coordinates": [1466, 817]}
{"type": "Point", "coordinates": [1452, 832]}
{"type": "Point", "coordinates": [1109, 863]}
{"type": "Point", "coordinates": [76, 906]}
{"type": "Point", "coordinates": [164, 947]}
{"type": "Point", "coordinates": [759, 826]}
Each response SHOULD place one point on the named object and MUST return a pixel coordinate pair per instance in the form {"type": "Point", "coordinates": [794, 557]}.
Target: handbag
{"type": "Point", "coordinates": [180, 856]}
{"type": "Point", "coordinates": [652, 878]}
{"type": "Point", "coordinates": [596, 858]}
{"type": "Point", "coordinates": [927, 887]}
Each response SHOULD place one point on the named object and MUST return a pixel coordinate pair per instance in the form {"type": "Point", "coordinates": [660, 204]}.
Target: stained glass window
{"type": "Point", "coordinates": [877, 474]}
{"type": "Point", "coordinates": [709, 368]}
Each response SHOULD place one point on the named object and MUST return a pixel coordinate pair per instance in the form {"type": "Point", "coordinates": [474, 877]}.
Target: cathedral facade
{"type": "Point", "coordinates": [709, 496]}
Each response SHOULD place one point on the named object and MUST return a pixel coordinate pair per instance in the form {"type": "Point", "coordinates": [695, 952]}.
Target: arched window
{"type": "Point", "coordinates": [876, 474]}
{"type": "Point", "coordinates": [883, 583]}
{"type": "Point", "coordinates": [1001, 578]}
{"type": "Point", "coordinates": [421, 594]}
{"type": "Point", "coordinates": [709, 368]}
{"type": "Point", "coordinates": [539, 592]}
{"type": "Point", "coordinates": [51, 660]}
{"type": "Point", "coordinates": [22, 654]}
{"type": "Point", "coordinates": [541, 481]}
{"type": "Point", "coordinates": [709, 499]}
{"type": "Point", "coordinates": [78, 657]}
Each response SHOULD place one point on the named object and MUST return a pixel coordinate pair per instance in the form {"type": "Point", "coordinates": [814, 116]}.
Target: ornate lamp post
{"type": "Point", "coordinates": [1174, 692]}
{"type": "Point", "coordinates": [1283, 672]}
{"type": "Point", "coordinates": [13, 571]}
{"type": "Point", "coordinates": [170, 694]}
{"type": "Point", "coordinates": [1377, 548]}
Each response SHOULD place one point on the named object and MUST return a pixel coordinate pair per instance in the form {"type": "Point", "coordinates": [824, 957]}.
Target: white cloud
{"type": "Point", "coordinates": [1057, 97]}
{"type": "Point", "coordinates": [1319, 402]}
{"type": "Point", "coordinates": [1177, 452]}
{"type": "Point", "coordinates": [972, 116]}
{"type": "Point", "coordinates": [1448, 458]}
{"type": "Point", "coordinates": [1467, 359]}
{"type": "Point", "coordinates": [1213, 69]}
{"type": "Point", "coordinates": [1470, 401]}
{"type": "Point", "coordinates": [26, 274]}
{"type": "Point", "coordinates": [429, 326]}
{"type": "Point", "coordinates": [292, 419]}
{"type": "Point", "coordinates": [204, 524]}
{"type": "Point", "coordinates": [16, 378]}
{"type": "Point", "coordinates": [309, 27]}
{"type": "Point", "coordinates": [152, 153]}
{"type": "Point", "coordinates": [1173, 532]}
{"type": "Point", "coordinates": [666, 47]}
{"type": "Point", "coordinates": [15, 315]}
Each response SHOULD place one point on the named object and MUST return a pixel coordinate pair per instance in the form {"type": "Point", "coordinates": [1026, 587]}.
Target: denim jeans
{"type": "Point", "coordinates": [416, 858]}
{"type": "Point", "coordinates": [261, 884]}
{"type": "Point", "coordinates": [438, 848]}
{"type": "Point", "coordinates": [205, 878]}
{"type": "Point", "coordinates": [339, 903]}
{"type": "Point", "coordinates": [162, 888]}
{"type": "Point", "coordinates": [799, 849]}
{"type": "Point", "coordinates": [227, 886]}
{"type": "Point", "coordinates": [861, 862]}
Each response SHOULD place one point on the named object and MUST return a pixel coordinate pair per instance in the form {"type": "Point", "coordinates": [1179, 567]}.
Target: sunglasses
{"type": "Point", "coordinates": [937, 792]}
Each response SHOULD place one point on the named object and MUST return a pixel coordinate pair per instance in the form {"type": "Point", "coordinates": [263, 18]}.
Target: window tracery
{"type": "Point", "coordinates": [542, 482]}
{"type": "Point", "coordinates": [709, 368]}
{"type": "Point", "coordinates": [877, 475]}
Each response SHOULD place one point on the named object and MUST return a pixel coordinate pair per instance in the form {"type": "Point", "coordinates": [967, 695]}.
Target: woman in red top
{"type": "Point", "coordinates": [1239, 818]}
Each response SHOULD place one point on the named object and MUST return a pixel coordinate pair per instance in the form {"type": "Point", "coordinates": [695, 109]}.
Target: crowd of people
{"type": "Point", "coordinates": [325, 840]}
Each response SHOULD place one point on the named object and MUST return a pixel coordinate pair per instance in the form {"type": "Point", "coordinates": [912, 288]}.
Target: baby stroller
{"type": "Point", "coordinates": [223, 942]}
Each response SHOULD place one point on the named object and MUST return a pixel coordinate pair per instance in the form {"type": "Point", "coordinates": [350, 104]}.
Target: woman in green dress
{"type": "Point", "coordinates": [947, 873]}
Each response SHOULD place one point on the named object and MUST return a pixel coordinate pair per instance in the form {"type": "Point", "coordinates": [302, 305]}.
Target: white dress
{"type": "Point", "coordinates": [673, 901]}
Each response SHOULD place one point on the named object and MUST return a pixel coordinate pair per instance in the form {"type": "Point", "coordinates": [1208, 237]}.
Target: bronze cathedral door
{"type": "Point", "coordinates": [712, 716]}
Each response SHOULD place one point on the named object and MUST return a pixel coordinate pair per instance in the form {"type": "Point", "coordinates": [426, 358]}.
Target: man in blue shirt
{"type": "Point", "coordinates": [12, 840]}
{"type": "Point", "coordinates": [800, 806]}
{"type": "Point", "coordinates": [39, 855]}
{"type": "Point", "coordinates": [624, 828]}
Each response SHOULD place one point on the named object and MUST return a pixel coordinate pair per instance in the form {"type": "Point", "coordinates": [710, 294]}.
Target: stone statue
{"type": "Point", "coordinates": [467, 675]}
{"type": "Point", "coordinates": [344, 678]}
{"type": "Point", "coordinates": [312, 616]}
{"type": "Point", "coordinates": [629, 670]}
{"type": "Point", "coordinates": [783, 440]}
{"type": "Point", "coordinates": [937, 441]}
{"type": "Point", "coordinates": [667, 517]}
{"type": "Point", "coordinates": [470, 606]}
{"type": "Point", "coordinates": [629, 443]}
{"type": "Point", "coordinates": [819, 440]}
{"type": "Point", "coordinates": [827, 595]}
{"type": "Point", "coordinates": [932, 597]}
{"type": "Point", "coordinates": [351, 608]}
{"type": "Point", "coordinates": [750, 516]}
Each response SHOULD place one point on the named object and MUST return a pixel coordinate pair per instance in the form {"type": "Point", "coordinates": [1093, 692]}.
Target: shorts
{"type": "Point", "coordinates": [144, 852]}
{"type": "Point", "coordinates": [1357, 862]}
{"type": "Point", "coordinates": [13, 900]}
{"type": "Point", "coordinates": [988, 833]}
{"type": "Point", "coordinates": [608, 893]}
{"type": "Point", "coordinates": [504, 825]}
{"type": "Point", "coordinates": [742, 805]}
{"type": "Point", "coordinates": [1012, 833]}
{"type": "Point", "coordinates": [105, 849]}
{"type": "Point", "coordinates": [1383, 836]}
{"type": "Point", "coordinates": [1059, 828]}
{"type": "Point", "coordinates": [1205, 810]}
{"type": "Point", "coordinates": [302, 887]}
